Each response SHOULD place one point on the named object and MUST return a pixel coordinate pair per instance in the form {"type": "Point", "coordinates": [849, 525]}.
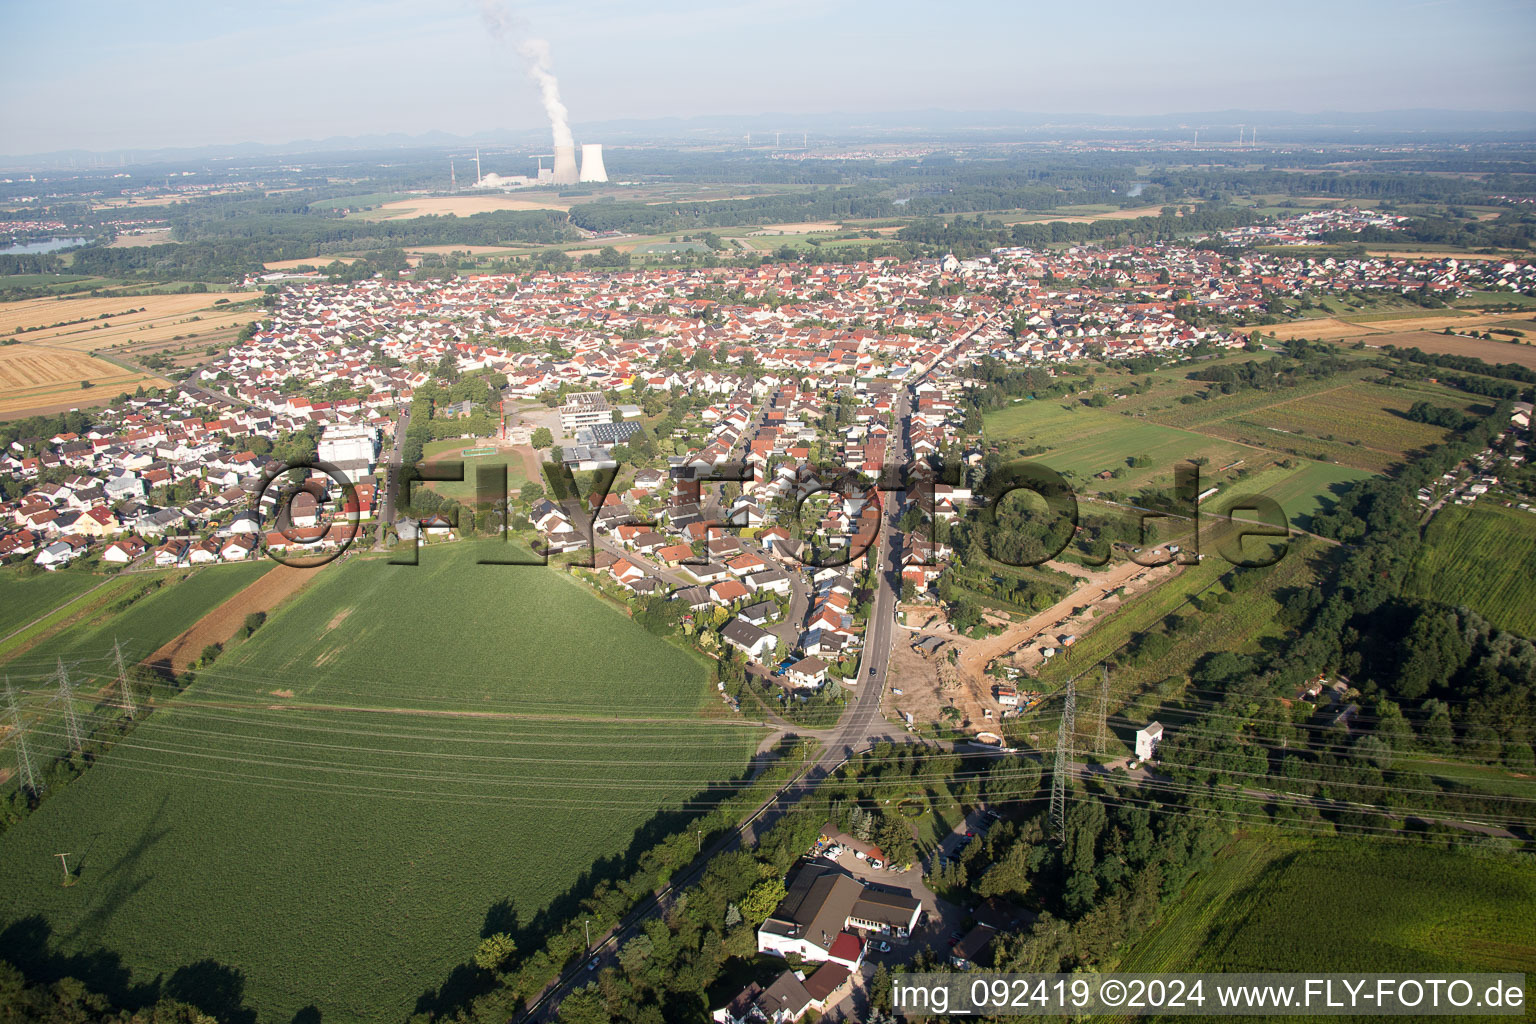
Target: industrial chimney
{"type": "Point", "coordinates": [565, 165]}
{"type": "Point", "coordinates": [592, 162]}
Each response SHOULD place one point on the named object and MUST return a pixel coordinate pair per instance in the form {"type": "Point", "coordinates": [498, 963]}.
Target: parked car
{"type": "Point", "coordinates": [884, 947]}
{"type": "Point", "coordinates": [592, 964]}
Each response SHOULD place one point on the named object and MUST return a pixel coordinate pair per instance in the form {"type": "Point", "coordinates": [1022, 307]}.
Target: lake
{"type": "Point", "coordinates": [34, 248]}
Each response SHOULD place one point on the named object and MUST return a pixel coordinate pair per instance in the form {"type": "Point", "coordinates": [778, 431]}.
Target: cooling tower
{"type": "Point", "coordinates": [565, 165]}
{"type": "Point", "coordinates": [592, 162]}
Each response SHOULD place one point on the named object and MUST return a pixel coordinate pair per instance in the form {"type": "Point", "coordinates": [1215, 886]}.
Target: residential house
{"type": "Point", "coordinates": [822, 903]}
{"type": "Point", "coordinates": [757, 644]}
{"type": "Point", "coordinates": [123, 551]}
{"type": "Point", "coordinates": [807, 673]}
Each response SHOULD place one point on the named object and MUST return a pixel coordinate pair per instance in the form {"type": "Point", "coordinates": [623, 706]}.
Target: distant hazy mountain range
{"type": "Point", "coordinates": [845, 128]}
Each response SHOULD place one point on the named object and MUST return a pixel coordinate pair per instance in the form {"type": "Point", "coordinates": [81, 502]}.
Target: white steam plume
{"type": "Point", "coordinates": [501, 23]}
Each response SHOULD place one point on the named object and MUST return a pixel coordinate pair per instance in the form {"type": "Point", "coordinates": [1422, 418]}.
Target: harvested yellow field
{"type": "Point", "coordinates": [80, 324]}
{"type": "Point", "coordinates": [1328, 328]}
{"type": "Point", "coordinates": [1437, 322]}
{"type": "Point", "coordinates": [120, 203]}
{"type": "Point", "coordinates": [36, 379]}
{"type": "Point", "coordinates": [317, 262]}
{"type": "Point", "coordinates": [461, 206]}
{"type": "Point", "coordinates": [804, 228]}
{"type": "Point", "coordinates": [1433, 254]}
{"type": "Point", "coordinates": [1523, 353]}
{"type": "Point", "coordinates": [473, 250]}
{"type": "Point", "coordinates": [154, 236]}
{"type": "Point", "coordinates": [1333, 328]}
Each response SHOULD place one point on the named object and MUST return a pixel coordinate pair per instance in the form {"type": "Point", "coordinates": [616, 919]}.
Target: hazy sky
{"type": "Point", "coordinates": [101, 75]}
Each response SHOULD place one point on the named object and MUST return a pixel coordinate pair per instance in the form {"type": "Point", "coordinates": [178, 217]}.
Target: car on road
{"type": "Point", "coordinates": [871, 670]}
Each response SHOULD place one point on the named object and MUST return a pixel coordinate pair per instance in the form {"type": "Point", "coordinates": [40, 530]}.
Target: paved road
{"type": "Point", "coordinates": [391, 483]}
{"type": "Point", "coordinates": [860, 727]}
{"type": "Point", "coordinates": [206, 394]}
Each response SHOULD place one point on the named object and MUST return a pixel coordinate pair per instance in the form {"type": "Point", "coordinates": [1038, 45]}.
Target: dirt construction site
{"type": "Point", "coordinates": [937, 668]}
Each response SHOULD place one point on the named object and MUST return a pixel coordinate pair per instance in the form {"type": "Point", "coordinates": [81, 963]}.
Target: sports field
{"type": "Point", "coordinates": [406, 753]}
{"type": "Point", "coordinates": [1480, 555]}
{"type": "Point", "coordinates": [464, 491]}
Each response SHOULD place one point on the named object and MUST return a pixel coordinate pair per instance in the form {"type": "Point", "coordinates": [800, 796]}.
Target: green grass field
{"type": "Point", "coordinates": [1274, 903]}
{"type": "Point", "coordinates": [1358, 425]}
{"type": "Point", "coordinates": [1480, 556]}
{"type": "Point", "coordinates": [1175, 941]}
{"type": "Point", "coordinates": [463, 744]}
{"type": "Point", "coordinates": [1088, 441]}
{"type": "Point", "coordinates": [353, 202]}
{"type": "Point", "coordinates": [23, 599]}
{"type": "Point", "coordinates": [1362, 906]}
{"type": "Point", "coordinates": [142, 610]}
{"type": "Point", "coordinates": [1302, 490]}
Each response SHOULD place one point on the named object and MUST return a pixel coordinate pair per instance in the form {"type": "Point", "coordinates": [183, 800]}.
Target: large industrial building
{"type": "Point", "coordinates": [586, 409]}
{"type": "Point", "coordinates": [564, 171]}
{"type": "Point", "coordinates": [352, 448]}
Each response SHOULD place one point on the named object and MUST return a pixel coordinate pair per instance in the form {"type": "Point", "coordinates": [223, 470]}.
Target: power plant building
{"type": "Point", "coordinates": [565, 165]}
{"type": "Point", "coordinates": [592, 162]}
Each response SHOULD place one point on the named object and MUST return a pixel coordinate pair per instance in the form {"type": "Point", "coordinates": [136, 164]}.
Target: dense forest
{"type": "Point", "coordinates": [979, 236]}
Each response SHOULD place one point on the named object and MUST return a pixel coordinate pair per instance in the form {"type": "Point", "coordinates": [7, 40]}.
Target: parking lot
{"type": "Point", "coordinates": [967, 831]}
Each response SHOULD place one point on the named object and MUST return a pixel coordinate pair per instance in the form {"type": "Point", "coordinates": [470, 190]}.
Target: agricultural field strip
{"type": "Point", "coordinates": [1180, 932]}
{"type": "Point", "coordinates": [387, 790]}
{"type": "Point", "coordinates": [1472, 555]}
{"type": "Point", "coordinates": [64, 615]}
{"type": "Point", "coordinates": [1467, 915]}
{"type": "Point", "coordinates": [40, 312]}
{"type": "Point", "coordinates": [158, 611]}
{"type": "Point", "coordinates": [16, 605]}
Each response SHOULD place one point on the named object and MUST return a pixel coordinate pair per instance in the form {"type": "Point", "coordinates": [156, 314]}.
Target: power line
{"type": "Point", "coordinates": [24, 766]}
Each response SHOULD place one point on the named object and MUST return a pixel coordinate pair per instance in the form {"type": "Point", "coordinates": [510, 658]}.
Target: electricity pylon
{"type": "Point", "coordinates": [126, 692]}
{"type": "Point", "coordinates": [24, 768]}
{"type": "Point", "coordinates": [1064, 736]}
{"type": "Point", "coordinates": [71, 720]}
{"type": "Point", "coordinates": [1100, 739]}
